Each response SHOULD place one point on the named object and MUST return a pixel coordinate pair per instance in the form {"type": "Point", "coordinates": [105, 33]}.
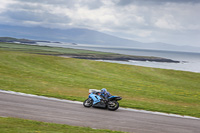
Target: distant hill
{"type": "Point", "coordinates": [75, 35]}
{"type": "Point", "coordinates": [15, 40]}
{"type": "Point", "coordinates": [84, 36]}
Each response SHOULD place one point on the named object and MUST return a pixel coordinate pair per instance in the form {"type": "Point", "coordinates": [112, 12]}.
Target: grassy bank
{"type": "Point", "coordinates": [76, 53]}
{"type": "Point", "coordinates": [142, 88]}
{"type": "Point", "coordinates": [35, 49]}
{"type": "Point", "coordinates": [15, 125]}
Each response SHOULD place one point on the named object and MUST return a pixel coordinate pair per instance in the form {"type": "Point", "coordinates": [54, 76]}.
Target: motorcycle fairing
{"type": "Point", "coordinates": [112, 97]}
{"type": "Point", "coordinates": [115, 97]}
{"type": "Point", "coordinates": [97, 101]}
{"type": "Point", "coordinates": [96, 98]}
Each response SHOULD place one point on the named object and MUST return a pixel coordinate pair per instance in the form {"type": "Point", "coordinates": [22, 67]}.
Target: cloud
{"type": "Point", "coordinates": [141, 20]}
{"type": "Point", "coordinates": [153, 2]}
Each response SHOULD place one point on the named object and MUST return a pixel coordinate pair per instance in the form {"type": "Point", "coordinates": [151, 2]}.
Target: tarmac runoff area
{"type": "Point", "coordinates": [40, 108]}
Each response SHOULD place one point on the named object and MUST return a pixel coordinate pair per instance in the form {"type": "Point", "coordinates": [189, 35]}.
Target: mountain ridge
{"type": "Point", "coordinates": [85, 36]}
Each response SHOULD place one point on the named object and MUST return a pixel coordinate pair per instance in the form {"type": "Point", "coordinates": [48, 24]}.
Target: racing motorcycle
{"type": "Point", "coordinates": [95, 100]}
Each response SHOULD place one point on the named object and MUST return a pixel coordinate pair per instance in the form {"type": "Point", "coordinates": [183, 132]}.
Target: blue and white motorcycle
{"type": "Point", "coordinates": [95, 100]}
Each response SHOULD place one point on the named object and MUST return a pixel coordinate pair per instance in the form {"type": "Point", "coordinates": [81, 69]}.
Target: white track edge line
{"type": "Point", "coordinates": [77, 102]}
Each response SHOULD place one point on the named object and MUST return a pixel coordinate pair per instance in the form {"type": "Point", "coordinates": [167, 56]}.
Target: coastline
{"type": "Point", "coordinates": [118, 57]}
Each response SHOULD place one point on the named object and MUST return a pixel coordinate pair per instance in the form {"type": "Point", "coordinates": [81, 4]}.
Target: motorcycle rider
{"type": "Point", "coordinates": [104, 93]}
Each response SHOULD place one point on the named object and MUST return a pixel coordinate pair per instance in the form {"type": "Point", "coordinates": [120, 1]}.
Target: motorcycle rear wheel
{"type": "Point", "coordinates": [113, 105]}
{"type": "Point", "coordinates": [88, 102]}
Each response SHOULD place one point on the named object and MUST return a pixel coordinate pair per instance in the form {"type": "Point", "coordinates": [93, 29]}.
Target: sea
{"type": "Point", "coordinates": [189, 61]}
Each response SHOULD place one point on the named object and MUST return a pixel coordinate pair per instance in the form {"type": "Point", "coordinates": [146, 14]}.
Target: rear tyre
{"type": "Point", "coordinates": [113, 105]}
{"type": "Point", "coordinates": [88, 102]}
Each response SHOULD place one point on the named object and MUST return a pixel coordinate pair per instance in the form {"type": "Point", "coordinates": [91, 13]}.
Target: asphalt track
{"type": "Point", "coordinates": [73, 113]}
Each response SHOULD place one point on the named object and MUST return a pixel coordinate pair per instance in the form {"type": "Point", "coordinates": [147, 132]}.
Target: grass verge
{"type": "Point", "coordinates": [67, 78]}
{"type": "Point", "coordinates": [77, 53]}
{"type": "Point", "coordinates": [16, 125]}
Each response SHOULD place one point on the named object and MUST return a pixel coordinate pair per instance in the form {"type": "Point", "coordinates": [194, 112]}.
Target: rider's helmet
{"type": "Point", "coordinates": [103, 91]}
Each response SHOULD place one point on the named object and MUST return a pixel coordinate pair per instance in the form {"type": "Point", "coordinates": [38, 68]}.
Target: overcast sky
{"type": "Point", "coordinates": [169, 21]}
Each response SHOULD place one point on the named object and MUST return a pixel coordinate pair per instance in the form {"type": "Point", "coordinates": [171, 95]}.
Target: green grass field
{"type": "Point", "coordinates": [15, 125]}
{"type": "Point", "coordinates": [67, 78]}
{"type": "Point", "coordinates": [45, 49]}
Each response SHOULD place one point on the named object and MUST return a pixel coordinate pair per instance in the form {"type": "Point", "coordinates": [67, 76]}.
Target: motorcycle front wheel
{"type": "Point", "coordinates": [88, 102]}
{"type": "Point", "coordinates": [113, 105]}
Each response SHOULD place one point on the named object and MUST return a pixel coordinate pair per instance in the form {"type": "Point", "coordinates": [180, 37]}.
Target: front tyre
{"type": "Point", "coordinates": [113, 105]}
{"type": "Point", "coordinates": [88, 102]}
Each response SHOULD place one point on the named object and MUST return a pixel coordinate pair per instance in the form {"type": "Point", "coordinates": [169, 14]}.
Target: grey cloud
{"type": "Point", "coordinates": [116, 17]}
{"type": "Point", "coordinates": [33, 15]}
{"type": "Point", "coordinates": [41, 18]}
{"type": "Point", "coordinates": [23, 15]}
{"type": "Point", "coordinates": [43, 11]}
{"type": "Point", "coordinates": [154, 2]}
{"type": "Point", "coordinates": [92, 4]}
{"type": "Point", "coordinates": [39, 3]}
{"type": "Point", "coordinates": [56, 2]}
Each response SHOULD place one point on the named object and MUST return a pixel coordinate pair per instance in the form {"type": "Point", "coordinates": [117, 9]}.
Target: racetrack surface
{"type": "Point", "coordinates": [58, 111]}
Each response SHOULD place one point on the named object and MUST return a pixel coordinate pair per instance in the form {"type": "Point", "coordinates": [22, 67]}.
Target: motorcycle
{"type": "Point", "coordinates": [95, 100]}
